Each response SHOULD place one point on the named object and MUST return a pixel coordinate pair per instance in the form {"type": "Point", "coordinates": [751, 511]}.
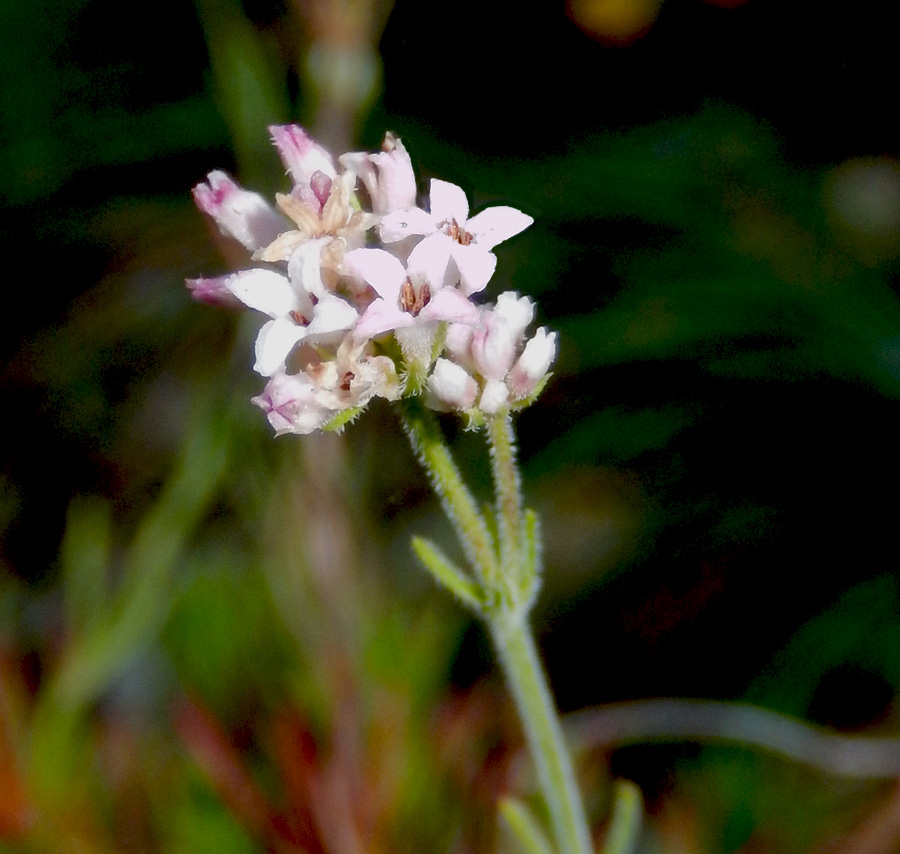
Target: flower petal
{"type": "Point", "coordinates": [428, 262]}
{"type": "Point", "coordinates": [274, 343]}
{"type": "Point", "coordinates": [475, 265]}
{"type": "Point", "coordinates": [264, 290]}
{"type": "Point", "coordinates": [407, 223]}
{"type": "Point", "coordinates": [239, 213]}
{"type": "Point", "coordinates": [309, 165]}
{"type": "Point", "coordinates": [451, 385]}
{"type": "Point", "coordinates": [305, 267]}
{"type": "Point", "coordinates": [494, 225]}
{"type": "Point", "coordinates": [291, 405]}
{"type": "Point", "coordinates": [380, 317]}
{"type": "Point", "coordinates": [449, 304]}
{"type": "Point", "coordinates": [448, 202]}
{"type": "Point", "coordinates": [379, 268]}
{"type": "Point", "coordinates": [332, 314]}
{"type": "Point", "coordinates": [213, 291]}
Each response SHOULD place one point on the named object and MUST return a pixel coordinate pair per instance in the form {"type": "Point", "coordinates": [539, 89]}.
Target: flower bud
{"type": "Point", "coordinates": [533, 364]}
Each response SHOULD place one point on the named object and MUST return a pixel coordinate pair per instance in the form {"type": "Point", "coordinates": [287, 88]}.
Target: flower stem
{"type": "Point", "coordinates": [506, 584]}
{"type": "Point", "coordinates": [428, 442]}
{"type": "Point", "coordinates": [509, 496]}
{"type": "Point", "coordinates": [528, 683]}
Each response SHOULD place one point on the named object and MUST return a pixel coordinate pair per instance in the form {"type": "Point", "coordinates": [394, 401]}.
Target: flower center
{"type": "Point", "coordinates": [455, 232]}
{"type": "Point", "coordinates": [413, 302]}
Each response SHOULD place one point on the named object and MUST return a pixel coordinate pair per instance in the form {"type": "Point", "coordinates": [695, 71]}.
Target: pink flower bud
{"type": "Point", "coordinates": [533, 364]}
{"type": "Point", "coordinates": [310, 166]}
{"type": "Point", "coordinates": [245, 216]}
{"type": "Point", "coordinates": [450, 386]}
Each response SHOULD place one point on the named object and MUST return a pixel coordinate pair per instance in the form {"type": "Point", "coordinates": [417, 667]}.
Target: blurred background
{"type": "Point", "coordinates": [214, 641]}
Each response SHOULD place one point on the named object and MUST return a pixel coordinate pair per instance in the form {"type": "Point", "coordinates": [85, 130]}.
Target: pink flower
{"type": "Point", "coordinates": [245, 216]}
{"type": "Point", "coordinates": [468, 241]}
{"type": "Point", "coordinates": [387, 174]}
{"type": "Point", "coordinates": [407, 296]}
{"type": "Point", "coordinates": [310, 166]}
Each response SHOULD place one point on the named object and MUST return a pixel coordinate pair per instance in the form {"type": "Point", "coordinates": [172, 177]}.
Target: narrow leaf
{"type": "Point", "coordinates": [531, 556]}
{"type": "Point", "coordinates": [448, 573]}
{"type": "Point", "coordinates": [524, 827]}
{"type": "Point", "coordinates": [626, 821]}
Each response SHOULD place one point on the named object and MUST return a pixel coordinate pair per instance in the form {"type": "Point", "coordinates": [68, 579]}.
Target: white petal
{"type": "Point", "coordinates": [305, 267]}
{"type": "Point", "coordinates": [264, 290]}
{"type": "Point", "coordinates": [517, 311]}
{"type": "Point", "coordinates": [273, 344]}
{"type": "Point", "coordinates": [291, 405]}
{"type": "Point", "coordinates": [379, 268]}
{"type": "Point", "coordinates": [448, 202]}
{"type": "Point", "coordinates": [451, 385]}
{"type": "Point", "coordinates": [332, 314]}
{"type": "Point", "coordinates": [301, 155]}
{"type": "Point", "coordinates": [494, 225]}
{"type": "Point", "coordinates": [401, 224]}
{"type": "Point", "coordinates": [239, 213]}
{"type": "Point", "coordinates": [534, 362]}
{"type": "Point", "coordinates": [475, 265]}
{"type": "Point", "coordinates": [494, 397]}
{"type": "Point", "coordinates": [428, 261]}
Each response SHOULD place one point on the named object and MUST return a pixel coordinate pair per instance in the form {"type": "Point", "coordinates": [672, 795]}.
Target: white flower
{"type": "Point", "coordinates": [449, 386]}
{"type": "Point", "coordinates": [239, 213]}
{"type": "Point", "coordinates": [387, 174]}
{"type": "Point", "coordinates": [295, 313]}
{"type": "Point", "coordinates": [533, 364]}
{"type": "Point", "coordinates": [495, 345]}
{"type": "Point", "coordinates": [468, 242]}
{"type": "Point", "coordinates": [407, 296]}
{"type": "Point", "coordinates": [310, 166]}
{"type": "Point", "coordinates": [291, 405]}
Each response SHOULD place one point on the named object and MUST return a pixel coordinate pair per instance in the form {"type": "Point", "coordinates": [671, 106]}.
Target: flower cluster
{"type": "Point", "coordinates": [372, 303]}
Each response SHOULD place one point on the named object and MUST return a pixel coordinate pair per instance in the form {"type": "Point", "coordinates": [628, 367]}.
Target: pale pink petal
{"type": "Point", "coordinates": [239, 213]}
{"type": "Point", "coordinates": [264, 290]}
{"type": "Point", "coordinates": [494, 347]}
{"type": "Point", "coordinates": [475, 266]}
{"type": "Point", "coordinates": [274, 343]}
{"type": "Point", "coordinates": [451, 385]}
{"type": "Point", "coordinates": [310, 166]}
{"type": "Point", "coordinates": [494, 397]}
{"type": "Point", "coordinates": [291, 405]}
{"type": "Point", "coordinates": [494, 225]}
{"type": "Point", "coordinates": [396, 179]}
{"type": "Point", "coordinates": [429, 260]}
{"type": "Point", "coordinates": [406, 223]}
{"type": "Point", "coordinates": [379, 268]}
{"type": "Point", "coordinates": [213, 291]}
{"type": "Point", "coordinates": [448, 202]}
{"type": "Point", "coordinates": [533, 364]}
{"type": "Point", "coordinates": [450, 305]}
{"type": "Point", "coordinates": [388, 175]}
{"type": "Point", "coordinates": [380, 317]}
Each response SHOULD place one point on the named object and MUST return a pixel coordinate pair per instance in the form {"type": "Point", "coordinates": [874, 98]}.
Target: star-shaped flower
{"type": "Point", "coordinates": [468, 241]}
{"type": "Point", "coordinates": [407, 296]}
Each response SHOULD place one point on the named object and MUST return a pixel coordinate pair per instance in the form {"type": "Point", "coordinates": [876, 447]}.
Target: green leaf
{"type": "Point", "coordinates": [524, 827]}
{"type": "Point", "coordinates": [448, 573]}
{"type": "Point", "coordinates": [626, 821]}
{"type": "Point", "coordinates": [531, 556]}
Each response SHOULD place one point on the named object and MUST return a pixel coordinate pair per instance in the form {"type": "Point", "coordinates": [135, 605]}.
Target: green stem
{"type": "Point", "coordinates": [528, 684]}
{"type": "Point", "coordinates": [509, 498]}
{"type": "Point", "coordinates": [428, 442]}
